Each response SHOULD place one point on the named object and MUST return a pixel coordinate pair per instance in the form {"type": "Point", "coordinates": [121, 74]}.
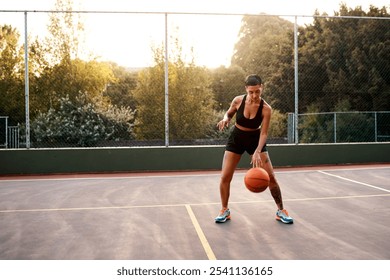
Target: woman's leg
{"type": "Point", "coordinates": [282, 214]}
{"type": "Point", "coordinates": [229, 164]}
{"type": "Point", "coordinates": [273, 183]}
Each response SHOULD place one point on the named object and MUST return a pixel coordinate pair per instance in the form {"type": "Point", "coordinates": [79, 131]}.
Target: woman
{"type": "Point", "coordinates": [249, 134]}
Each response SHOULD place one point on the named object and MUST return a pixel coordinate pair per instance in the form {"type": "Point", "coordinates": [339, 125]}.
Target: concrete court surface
{"type": "Point", "coordinates": [340, 213]}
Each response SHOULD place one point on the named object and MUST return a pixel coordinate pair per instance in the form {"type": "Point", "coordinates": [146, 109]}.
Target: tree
{"type": "Point", "coordinates": [65, 33]}
{"type": "Point", "coordinates": [226, 84]}
{"type": "Point", "coordinates": [346, 59]}
{"type": "Point", "coordinates": [261, 39]}
{"type": "Point", "coordinates": [59, 71]}
{"type": "Point", "coordinates": [11, 75]}
{"type": "Point", "coordinates": [190, 99]}
{"type": "Point", "coordinates": [119, 91]}
{"type": "Point", "coordinates": [279, 88]}
{"type": "Point", "coordinates": [278, 125]}
{"type": "Point", "coordinates": [265, 47]}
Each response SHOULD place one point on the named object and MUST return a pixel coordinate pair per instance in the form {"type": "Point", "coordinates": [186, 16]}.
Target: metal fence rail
{"type": "Point", "coordinates": [13, 137]}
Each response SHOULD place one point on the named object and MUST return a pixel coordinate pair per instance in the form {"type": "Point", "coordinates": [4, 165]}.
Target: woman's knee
{"type": "Point", "coordinates": [272, 181]}
{"type": "Point", "coordinates": [226, 178]}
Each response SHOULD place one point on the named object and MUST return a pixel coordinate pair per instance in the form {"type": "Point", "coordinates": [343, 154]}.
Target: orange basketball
{"type": "Point", "coordinates": [256, 179]}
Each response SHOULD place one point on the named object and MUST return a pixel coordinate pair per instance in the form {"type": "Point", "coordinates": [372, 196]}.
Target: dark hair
{"type": "Point", "coordinates": [253, 80]}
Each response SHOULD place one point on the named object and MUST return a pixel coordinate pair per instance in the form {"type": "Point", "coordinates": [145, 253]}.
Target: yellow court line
{"type": "Point", "coordinates": [202, 237]}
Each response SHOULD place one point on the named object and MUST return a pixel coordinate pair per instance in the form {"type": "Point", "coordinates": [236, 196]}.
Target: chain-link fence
{"type": "Point", "coordinates": [341, 127]}
{"type": "Point", "coordinates": [3, 132]}
{"type": "Point", "coordinates": [141, 79]}
{"type": "Point", "coordinates": [9, 135]}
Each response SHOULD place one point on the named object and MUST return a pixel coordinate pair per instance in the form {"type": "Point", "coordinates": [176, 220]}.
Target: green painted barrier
{"type": "Point", "coordinates": [139, 159]}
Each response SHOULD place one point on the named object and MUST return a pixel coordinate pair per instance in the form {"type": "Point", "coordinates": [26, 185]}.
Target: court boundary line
{"type": "Point", "coordinates": [184, 204]}
{"type": "Point", "coordinates": [171, 175]}
{"type": "Point", "coordinates": [202, 237]}
{"type": "Point", "coordinates": [353, 181]}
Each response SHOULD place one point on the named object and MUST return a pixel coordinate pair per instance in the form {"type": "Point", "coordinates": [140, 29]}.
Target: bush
{"type": "Point", "coordinates": [82, 124]}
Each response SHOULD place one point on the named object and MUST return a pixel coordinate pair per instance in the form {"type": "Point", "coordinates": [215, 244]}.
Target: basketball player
{"type": "Point", "coordinates": [249, 134]}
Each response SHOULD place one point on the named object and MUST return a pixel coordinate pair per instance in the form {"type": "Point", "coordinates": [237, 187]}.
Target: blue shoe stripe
{"type": "Point", "coordinates": [223, 218]}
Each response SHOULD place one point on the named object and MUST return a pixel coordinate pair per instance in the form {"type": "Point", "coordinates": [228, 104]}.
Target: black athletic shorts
{"type": "Point", "coordinates": [240, 141]}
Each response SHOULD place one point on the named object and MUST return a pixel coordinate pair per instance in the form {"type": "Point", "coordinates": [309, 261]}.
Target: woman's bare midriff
{"type": "Point", "coordinates": [245, 128]}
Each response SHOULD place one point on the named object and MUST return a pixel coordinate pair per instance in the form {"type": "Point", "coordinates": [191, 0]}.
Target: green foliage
{"type": "Point", "coordinates": [65, 33]}
{"type": "Point", "coordinates": [346, 59]}
{"type": "Point", "coordinates": [343, 65]}
{"type": "Point", "coordinates": [262, 39]}
{"type": "Point", "coordinates": [214, 131]}
{"type": "Point", "coordinates": [350, 126]}
{"type": "Point", "coordinates": [82, 124]}
{"type": "Point", "coordinates": [11, 75]}
{"type": "Point", "coordinates": [190, 99]}
{"type": "Point", "coordinates": [338, 59]}
{"type": "Point", "coordinates": [226, 84]}
{"type": "Point", "coordinates": [149, 96]}
{"type": "Point", "coordinates": [119, 91]}
{"type": "Point", "coordinates": [56, 69]}
{"type": "Point", "coordinates": [10, 52]}
{"type": "Point", "coordinates": [316, 128]}
{"type": "Point", "coordinates": [278, 125]}
{"type": "Point", "coordinates": [74, 79]}
{"type": "Point", "coordinates": [266, 48]}
{"type": "Point", "coordinates": [355, 127]}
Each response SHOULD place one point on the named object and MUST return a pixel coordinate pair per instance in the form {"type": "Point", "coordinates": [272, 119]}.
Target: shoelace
{"type": "Point", "coordinates": [284, 211]}
{"type": "Point", "coordinates": [223, 211]}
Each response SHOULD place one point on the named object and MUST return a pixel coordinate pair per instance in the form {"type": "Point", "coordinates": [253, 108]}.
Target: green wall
{"type": "Point", "coordinates": [136, 159]}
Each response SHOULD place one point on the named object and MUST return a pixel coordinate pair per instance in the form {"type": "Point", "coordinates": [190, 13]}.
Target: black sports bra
{"type": "Point", "coordinates": [249, 123]}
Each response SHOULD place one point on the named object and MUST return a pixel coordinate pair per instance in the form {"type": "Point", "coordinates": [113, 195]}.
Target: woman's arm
{"type": "Point", "coordinates": [267, 111]}
{"type": "Point", "coordinates": [229, 113]}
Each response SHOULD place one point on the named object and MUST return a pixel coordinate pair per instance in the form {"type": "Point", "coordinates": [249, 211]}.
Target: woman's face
{"type": "Point", "coordinates": [254, 93]}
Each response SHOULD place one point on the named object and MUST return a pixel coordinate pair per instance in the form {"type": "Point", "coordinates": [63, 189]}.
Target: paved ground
{"type": "Point", "coordinates": [341, 213]}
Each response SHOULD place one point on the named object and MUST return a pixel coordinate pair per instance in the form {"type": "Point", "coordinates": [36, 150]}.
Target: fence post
{"type": "Point", "coordinates": [335, 127]}
{"type": "Point", "coordinates": [166, 84]}
{"type": "Point", "coordinates": [376, 126]}
{"type": "Point", "coordinates": [290, 127]}
{"type": "Point", "coordinates": [26, 87]}
{"type": "Point", "coordinates": [6, 132]}
{"type": "Point", "coordinates": [296, 78]}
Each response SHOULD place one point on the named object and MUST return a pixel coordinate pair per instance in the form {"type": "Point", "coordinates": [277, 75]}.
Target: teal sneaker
{"type": "Point", "coordinates": [282, 215]}
{"type": "Point", "coordinates": [223, 216]}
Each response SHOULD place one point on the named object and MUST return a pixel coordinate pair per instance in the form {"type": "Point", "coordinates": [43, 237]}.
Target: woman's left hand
{"type": "Point", "coordinates": [256, 160]}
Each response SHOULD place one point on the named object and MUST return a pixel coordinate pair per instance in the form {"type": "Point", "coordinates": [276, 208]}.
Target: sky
{"type": "Point", "coordinates": [128, 38]}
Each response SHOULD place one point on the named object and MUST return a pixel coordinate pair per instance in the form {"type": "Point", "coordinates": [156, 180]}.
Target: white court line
{"type": "Point", "coordinates": [331, 169]}
{"type": "Point", "coordinates": [206, 246]}
{"type": "Point", "coordinates": [181, 205]}
{"type": "Point", "coordinates": [152, 176]}
{"type": "Point", "coordinates": [353, 181]}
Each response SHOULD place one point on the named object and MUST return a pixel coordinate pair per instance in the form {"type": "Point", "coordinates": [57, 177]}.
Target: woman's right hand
{"type": "Point", "coordinates": [222, 124]}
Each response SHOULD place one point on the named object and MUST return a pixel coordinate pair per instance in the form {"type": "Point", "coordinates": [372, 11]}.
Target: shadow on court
{"type": "Point", "coordinates": [339, 213]}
